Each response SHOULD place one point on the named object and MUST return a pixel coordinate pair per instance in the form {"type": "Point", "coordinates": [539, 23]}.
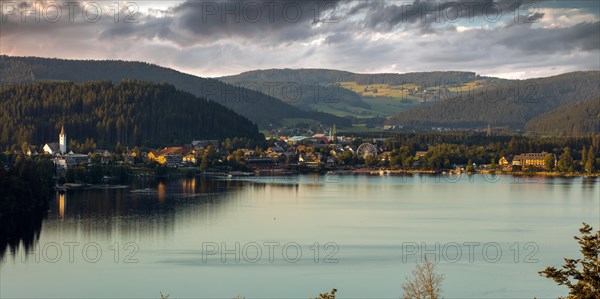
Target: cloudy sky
{"type": "Point", "coordinates": [510, 39]}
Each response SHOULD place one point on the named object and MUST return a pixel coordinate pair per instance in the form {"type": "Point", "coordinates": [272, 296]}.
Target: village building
{"type": "Point", "coordinates": [76, 159]}
{"type": "Point", "coordinates": [320, 138]}
{"type": "Point", "coordinates": [260, 164]}
{"type": "Point", "coordinates": [420, 154]}
{"type": "Point", "coordinates": [531, 159]}
{"type": "Point", "coordinates": [274, 152]}
{"type": "Point", "coordinates": [311, 160]}
{"type": "Point", "coordinates": [385, 156]}
{"type": "Point", "coordinates": [190, 158]}
{"type": "Point", "coordinates": [331, 162]}
{"type": "Point", "coordinates": [55, 148]}
{"type": "Point", "coordinates": [51, 148]}
{"type": "Point", "coordinates": [62, 140]}
{"type": "Point", "coordinates": [202, 144]}
{"type": "Point", "coordinates": [70, 160]}
{"type": "Point", "coordinates": [170, 156]}
{"type": "Point", "coordinates": [295, 139]}
{"type": "Point", "coordinates": [248, 153]}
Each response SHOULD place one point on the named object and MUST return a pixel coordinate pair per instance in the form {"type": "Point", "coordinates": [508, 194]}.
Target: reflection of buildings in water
{"type": "Point", "coordinates": [189, 185]}
{"type": "Point", "coordinates": [161, 189]}
{"type": "Point", "coordinates": [109, 213]}
{"type": "Point", "coordinates": [62, 204]}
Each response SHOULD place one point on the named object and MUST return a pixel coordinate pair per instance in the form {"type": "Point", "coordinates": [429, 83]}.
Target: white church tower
{"type": "Point", "coordinates": [63, 141]}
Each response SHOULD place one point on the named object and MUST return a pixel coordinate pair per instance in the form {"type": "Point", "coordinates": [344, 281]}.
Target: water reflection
{"type": "Point", "coordinates": [161, 191]}
{"type": "Point", "coordinates": [589, 182]}
{"type": "Point", "coordinates": [62, 202]}
{"type": "Point", "coordinates": [141, 199]}
{"type": "Point", "coordinates": [20, 232]}
{"type": "Point", "coordinates": [146, 207]}
{"type": "Point", "coordinates": [369, 217]}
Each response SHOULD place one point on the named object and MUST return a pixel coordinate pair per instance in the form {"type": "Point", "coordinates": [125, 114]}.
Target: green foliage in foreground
{"type": "Point", "coordinates": [328, 295]}
{"type": "Point", "coordinates": [581, 276]}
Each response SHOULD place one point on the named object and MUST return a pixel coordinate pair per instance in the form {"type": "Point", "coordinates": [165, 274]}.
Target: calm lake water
{"type": "Point", "coordinates": [257, 238]}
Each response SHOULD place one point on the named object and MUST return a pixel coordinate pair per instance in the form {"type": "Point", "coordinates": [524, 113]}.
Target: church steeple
{"type": "Point", "coordinates": [62, 139]}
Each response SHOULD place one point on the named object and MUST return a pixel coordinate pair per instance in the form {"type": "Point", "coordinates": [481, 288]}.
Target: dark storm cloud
{"type": "Point", "coordinates": [54, 17]}
{"type": "Point", "coordinates": [387, 16]}
{"type": "Point", "coordinates": [150, 28]}
{"type": "Point", "coordinates": [581, 37]}
{"type": "Point", "coordinates": [263, 20]}
{"type": "Point", "coordinates": [229, 36]}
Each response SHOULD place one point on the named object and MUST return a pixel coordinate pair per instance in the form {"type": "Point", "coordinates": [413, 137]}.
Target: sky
{"type": "Point", "coordinates": [508, 39]}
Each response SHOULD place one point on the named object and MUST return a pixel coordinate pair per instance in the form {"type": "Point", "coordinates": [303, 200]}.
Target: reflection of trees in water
{"type": "Point", "coordinates": [20, 231]}
{"type": "Point", "coordinates": [151, 210]}
{"type": "Point", "coordinates": [102, 214]}
{"type": "Point", "coordinates": [590, 182]}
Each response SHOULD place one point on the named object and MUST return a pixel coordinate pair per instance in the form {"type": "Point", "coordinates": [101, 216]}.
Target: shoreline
{"type": "Point", "coordinates": [363, 171]}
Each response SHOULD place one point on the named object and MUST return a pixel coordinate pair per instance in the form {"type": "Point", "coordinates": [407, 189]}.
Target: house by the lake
{"type": "Point", "coordinates": [531, 159]}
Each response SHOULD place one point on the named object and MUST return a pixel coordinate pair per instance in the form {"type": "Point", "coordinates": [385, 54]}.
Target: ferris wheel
{"type": "Point", "coordinates": [366, 149]}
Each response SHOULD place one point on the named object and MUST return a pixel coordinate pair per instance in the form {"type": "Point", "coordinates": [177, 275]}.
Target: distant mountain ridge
{"type": "Point", "coordinates": [262, 109]}
{"type": "Point", "coordinates": [511, 102]}
{"type": "Point", "coordinates": [301, 88]}
{"type": "Point", "coordinates": [275, 97]}
{"type": "Point", "coordinates": [427, 79]}
{"type": "Point", "coordinates": [323, 88]}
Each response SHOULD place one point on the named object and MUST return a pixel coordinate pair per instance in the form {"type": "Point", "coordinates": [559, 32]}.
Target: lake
{"type": "Point", "coordinates": [295, 237]}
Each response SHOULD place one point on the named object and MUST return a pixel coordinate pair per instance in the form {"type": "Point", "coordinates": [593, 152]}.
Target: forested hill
{"type": "Point", "coordinates": [323, 88]}
{"type": "Point", "coordinates": [292, 75]}
{"type": "Point", "coordinates": [258, 107]}
{"type": "Point", "coordinates": [303, 88]}
{"type": "Point", "coordinates": [130, 113]}
{"type": "Point", "coordinates": [423, 79]}
{"type": "Point", "coordinates": [576, 119]}
{"type": "Point", "coordinates": [511, 103]}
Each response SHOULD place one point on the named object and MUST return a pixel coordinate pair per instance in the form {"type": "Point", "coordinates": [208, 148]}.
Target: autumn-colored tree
{"type": "Point", "coordinates": [424, 283]}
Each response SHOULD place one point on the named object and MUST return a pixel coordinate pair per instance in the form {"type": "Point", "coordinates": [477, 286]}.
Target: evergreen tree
{"type": "Point", "coordinates": [469, 168]}
{"type": "Point", "coordinates": [204, 163]}
{"type": "Point", "coordinates": [583, 157]}
{"type": "Point", "coordinates": [565, 163]}
{"type": "Point", "coordinates": [590, 161]}
{"type": "Point", "coordinates": [584, 282]}
{"type": "Point", "coordinates": [549, 162]}
{"type": "Point", "coordinates": [128, 113]}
